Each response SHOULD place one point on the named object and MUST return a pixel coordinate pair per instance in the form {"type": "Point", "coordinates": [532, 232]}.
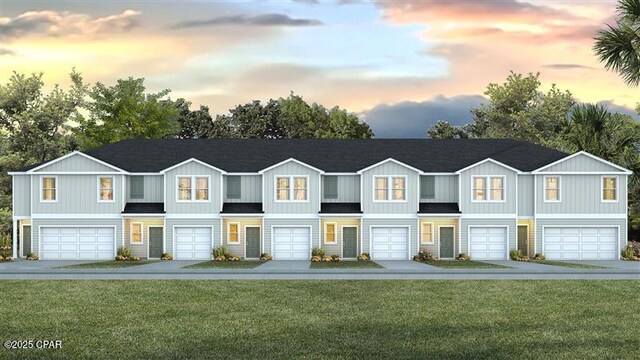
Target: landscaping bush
{"type": "Point", "coordinates": [317, 252]}
{"type": "Point", "coordinates": [221, 251]}
{"type": "Point", "coordinates": [124, 252]}
{"type": "Point", "coordinates": [635, 245]}
{"type": "Point", "coordinates": [629, 253]}
{"type": "Point", "coordinates": [326, 258]}
{"type": "Point", "coordinates": [166, 256]}
{"type": "Point", "coordinates": [134, 258]}
{"type": "Point", "coordinates": [316, 258]}
{"type": "Point", "coordinates": [219, 258]}
{"type": "Point", "coordinates": [364, 257]}
{"type": "Point", "coordinates": [463, 257]}
{"type": "Point", "coordinates": [32, 256]}
{"type": "Point", "coordinates": [517, 255]}
{"type": "Point", "coordinates": [539, 256]}
{"type": "Point", "coordinates": [336, 258]}
{"type": "Point", "coordinates": [5, 242]}
{"type": "Point", "coordinates": [424, 255]}
{"type": "Point", "coordinates": [266, 256]}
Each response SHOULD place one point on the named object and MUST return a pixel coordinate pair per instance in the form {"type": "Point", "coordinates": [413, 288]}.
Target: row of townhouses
{"type": "Point", "coordinates": [389, 198]}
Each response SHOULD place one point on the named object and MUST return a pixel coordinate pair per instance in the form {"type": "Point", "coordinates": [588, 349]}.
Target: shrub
{"type": "Point", "coordinates": [221, 251]}
{"type": "Point", "coordinates": [317, 252]}
{"type": "Point", "coordinates": [266, 256]}
{"type": "Point", "coordinates": [32, 256]}
{"type": "Point", "coordinates": [635, 245]}
{"type": "Point", "coordinates": [166, 256]}
{"type": "Point", "coordinates": [233, 258]}
{"type": "Point", "coordinates": [517, 255]}
{"type": "Point", "coordinates": [134, 258]}
{"type": "Point", "coordinates": [424, 255]}
{"type": "Point", "coordinates": [364, 257]}
{"type": "Point", "coordinates": [463, 257]}
{"type": "Point", "coordinates": [326, 258]}
{"type": "Point", "coordinates": [124, 252]}
{"type": "Point", "coordinates": [5, 242]}
{"type": "Point", "coordinates": [219, 258]}
{"type": "Point", "coordinates": [628, 253]}
{"type": "Point", "coordinates": [316, 258]}
{"type": "Point", "coordinates": [336, 258]}
{"type": "Point", "coordinates": [1, 258]}
{"type": "Point", "coordinates": [539, 256]}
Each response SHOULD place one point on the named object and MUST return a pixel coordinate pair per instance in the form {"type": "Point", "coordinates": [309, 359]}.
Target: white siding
{"type": "Point", "coordinates": [581, 194]}
{"type": "Point", "coordinates": [21, 195]}
{"type": "Point", "coordinates": [78, 194]}
{"type": "Point", "coordinates": [580, 163]}
{"type": "Point", "coordinates": [76, 163]}
{"type": "Point", "coordinates": [153, 189]}
{"type": "Point", "coordinates": [525, 195]}
{"type": "Point", "coordinates": [212, 206]}
{"type": "Point", "coordinates": [250, 189]}
{"type": "Point", "coordinates": [486, 207]}
{"type": "Point", "coordinates": [388, 207]}
{"type": "Point", "coordinates": [348, 189]}
{"type": "Point", "coordinates": [312, 206]}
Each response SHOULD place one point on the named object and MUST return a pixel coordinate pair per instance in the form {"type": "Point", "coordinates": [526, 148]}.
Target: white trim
{"type": "Point", "coordinates": [192, 160]}
{"type": "Point", "coordinates": [77, 216]}
{"type": "Point", "coordinates": [341, 174]}
{"type": "Point", "coordinates": [123, 193]}
{"type": "Point", "coordinates": [581, 173]}
{"type": "Point", "coordinates": [291, 188]}
{"type": "Point", "coordinates": [440, 240]}
{"type": "Point", "coordinates": [544, 188]}
{"type": "Point", "coordinates": [617, 199]}
{"type": "Point", "coordinates": [585, 226]}
{"type": "Point", "coordinates": [56, 189]}
{"type": "Point", "coordinates": [115, 238]}
{"type": "Point", "coordinates": [288, 160]}
{"type": "Point", "coordinates": [421, 239]}
{"type": "Point", "coordinates": [335, 233]}
{"type": "Point", "coordinates": [487, 188]}
{"type": "Point", "coordinates": [232, 215]}
{"type": "Point", "coordinates": [290, 216]}
{"type": "Point", "coordinates": [582, 216]}
{"type": "Point", "coordinates": [144, 174]}
{"type": "Point", "coordinates": [22, 225]}
{"type": "Point", "coordinates": [535, 214]}
{"type": "Point", "coordinates": [439, 173]}
{"type": "Point", "coordinates": [193, 188]}
{"type": "Point", "coordinates": [78, 173]}
{"type": "Point", "coordinates": [14, 239]}
{"type": "Point", "coordinates": [193, 216]}
{"type": "Point", "coordinates": [361, 171]}
{"type": "Point", "coordinates": [328, 215]}
{"type": "Point", "coordinates": [149, 238]}
{"type": "Point", "coordinates": [310, 227]}
{"type": "Point", "coordinates": [428, 215]}
{"type": "Point", "coordinates": [390, 189]}
{"type": "Point", "coordinates": [131, 224]}
{"type": "Point", "coordinates": [489, 216]}
{"type": "Point", "coordinates": [133, 215]}
{"type": "Point", "coordinates": [342, 239]}
{"type": "Point", "coordinates": [173, 229]}
{"type": "Point", "coordinates": [242, 174]}
{"type": "Point", "coordinates": [623, 170]}
{"type": "Point", "coordinates": [113, 189]}
{"type": "Point", "coordinates": [390, 216]}
{"type": "Point", "coordinates": [489, 160]}
{"type": "Point", "coordinates": [237, 224]}
{"type": "Point", "coordinates": [259, 240]}
{"type": "Point", "coordinates": [24, 217]}
{"type": "Point", "coordinates": [31, 171]}
{"type": "Point", "coordinates": [408, 227]}
{"type": "Point", "coordinates": [490, 226]}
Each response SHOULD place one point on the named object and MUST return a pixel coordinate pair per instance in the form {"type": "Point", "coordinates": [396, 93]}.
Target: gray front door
{"type": "Point", "coordinates": [252, 242]}
{"type": "Point", "coordinates": [155, 242]}
{"type": "Point", "coordinates": [446, 242]}
{"type": "Point", "coordinates": [523, 240]}
{"type": "Point", "coordinates": [26, 240]}
{"type": "Point", "coordinates": [350, 242]}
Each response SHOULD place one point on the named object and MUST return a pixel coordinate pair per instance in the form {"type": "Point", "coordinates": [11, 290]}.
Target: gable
{"type": "Point", "coordinates": [488, 168]}
{"type": "Point", "coordinates": [75, 162]}
{"type": "Point", "coordinates": [192, 168]}
{"type": "Point", "coordinates": [291, 168]}
{"type": "Point", "coordinates": [580, 163]}
{"type": "Point", "coordinates": [390, 168]}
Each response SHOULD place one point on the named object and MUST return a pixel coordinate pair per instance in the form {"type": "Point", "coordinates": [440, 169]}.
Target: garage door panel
{"type": "Point", "coordinates": [390, 243]}
{"type": "Point", "coordinates": [193, 243]}
{"type": "Point", "coordinates": [581, 243]}
{"type": "Point", "coordinates": [488, 243]}
{"type": "Point", "coordinates": [291, 243]}
{"type": "Point", "coordinates": [77, 243]}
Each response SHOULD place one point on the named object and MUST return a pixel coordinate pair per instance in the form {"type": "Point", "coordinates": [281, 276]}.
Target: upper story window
{"type": "Point", "coordinates": [291, 188]}
{"type": "Point", "coordinates": [610, 188]}
{"type": "Point", "coordinates": [551, 188]}
{"type": "Point", "coordinates": [193, 188]}
{"type": "Point", "coordinates": [488, 188]}
{"type": "Point", "coordinates": [389, 188]}
{"type": "Point", "coordinates": [49, 186]}
{"type": "Point", "coordinates": [105, 188]}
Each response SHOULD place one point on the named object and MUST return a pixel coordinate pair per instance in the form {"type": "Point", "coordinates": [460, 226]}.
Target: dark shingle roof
{"type": "Point", "coordinates": [439, 208]}
{"type": "Point", "coordinates": [330, 155]}
{"type": "Point", "coordinates": [144, 208]}
{"type": "Point", "coordinates": [242, 208]}
{"type": "Point", "coordinates": [340, 208]}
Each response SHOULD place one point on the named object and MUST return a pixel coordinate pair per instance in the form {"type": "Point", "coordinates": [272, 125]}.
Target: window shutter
{"type": "Point", "coordinates": [427, 187]}
{"type": "Point", "coordinates": [136, 190]}
{"type": "Point", "coordinates": [233, 187]}
{"type": "Point", "coordinates": [330, 187]}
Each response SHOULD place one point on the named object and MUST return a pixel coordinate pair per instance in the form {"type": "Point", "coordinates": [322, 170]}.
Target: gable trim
{"type": "Point", "coordinates": [622, 170]}
{"type": "Point", "coordinates": [386, 161]}
{"type": "Point", "coordinates": [192, 160]}
{"type": "Point", "coordinates": [289, 160]}
{"type": "Point", "coordinates": [492, 161]}
{"type": "Point", "coordinates": [35, 169]}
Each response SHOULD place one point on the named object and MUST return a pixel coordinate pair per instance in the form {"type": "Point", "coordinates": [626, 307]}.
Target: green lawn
{"type": "Point", "coordinates": [569, 265]}
{"type": "Point", "coordinates": [324, 319]}
{"type": "Point", "coordinates": [244, 264]}
{"type": "Point", "coordinates": [345, 265]}
{"type": "Point", "coordinates": [468, 264]}
{"type": "Point", "coordinates": [110, 264]}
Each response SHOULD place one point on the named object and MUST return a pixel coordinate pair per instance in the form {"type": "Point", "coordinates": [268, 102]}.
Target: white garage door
{"type": "Point", "coordinates": [193, 243]}
{"type": "Point", "coordinates": [389, 243]}
{"type": "Point", "coordinates": [77, 243]}
{"type": "Point", "coordinates": [291, 243]}
{"type": "Point", "coordinates": [488, 243]}
{"type": "Point", "coordinates": [586, 243]}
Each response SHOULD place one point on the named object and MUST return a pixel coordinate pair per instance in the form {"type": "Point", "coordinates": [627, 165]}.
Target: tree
{"type": "Point", "coordinates": [194, 124]}
{"type": "Point", "coordinates": [444, 130]}
{"type": "Point", "coordinates": [618, 45]}
{"type": "Point", "coordinates": [124, 111]}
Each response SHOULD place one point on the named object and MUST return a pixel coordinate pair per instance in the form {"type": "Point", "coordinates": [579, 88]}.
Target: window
{"type": "Point", "coordinates": [426, 233]}
{"type": "Point", "coordinates": [488, 188]}
{"type": "Point", "coordinates": [390, 188]}
{"type": "Point", "coordinates": [609, 188]}
{"type": "Point", "coordinates": [427, 187]}
{"type": "Point", "coordinates": [188, 192]}
{"type": "Point", "coordinates": [233, 187]}
{"type": "Point", "coordinates": [233, 236]}
{"type": "Point", "coordinates": [551, 188]}
{"type": "Point", "coordinates": [330, 187]}
{"type": "Point", "coordinates": [136, 233]}
{"type": "Point", "coordinates": [105, 189]}
{"type": "Point", "coordinates": [136, 190]}
{"type": "Point", "coordinates": [330, 233]}
{"type": "Point", "coordinates": [49, 185]}
{"type": "Point", "coordinates": [286, 192]}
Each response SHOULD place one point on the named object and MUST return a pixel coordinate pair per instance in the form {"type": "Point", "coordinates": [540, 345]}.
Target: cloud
{"type": "Point", "coordinates": [53, 23]}
{"type": "Point", "coordinates": [567, 66]}
{"type": "Point", "coordinates": [620, 109]}
{"type": "Point", "coordinates": [5, 51]}
{"type": "Point", "coordinates": [412, 119]}
{"type": "Point", "coordinates": [257, 20]}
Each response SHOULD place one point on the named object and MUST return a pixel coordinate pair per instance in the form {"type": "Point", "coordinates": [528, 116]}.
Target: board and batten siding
{"type": "Point", "coordinates": [291, 168]}
{"type": "Point", "coordinates": [75, 163]}
{"type": "Point", "coordinates": [141, 250]}
{"type": "Point", "coordinates": [446, 189]}
{"type": "Point", "coordinates": [622, 236]}
{"type": "Point", "coordinates": [239, 248]}
{"type": "Point", "coordinates": [336, 249]}
{"type": "Point", "coordinates": [512, 233]}
{"type": "Point", "coordinates": [193, 168]}
{"type": "Point", "coordinates": [412, 224]}
{"type": "Point", "coordinates": [580, 163]}
{"type": "Point", "coordinates": [582, 194]}
{"type": "Point", "coordinates": [487, 207]}
{"type": "Point", "coordinates": [171, 223]}
{"type": "Point", "coordinates": [348, 189]}
{"type": "Point", "coordinates": [153, 189]}
{"type": "Point", "coordinates": [21, 195]}
{"type": "Point", "coordinates": [37, 223]}
{"type": "Point", "coordinates": [77, 194]}
{"type": "Point", "coordinates": [410, 206]}
{"type": "Point", "coordinates": [525, 195]}
{"type": "Point", "coordinates": [250, 189]}
{"type": "Point", "coordinates": [267, 231]}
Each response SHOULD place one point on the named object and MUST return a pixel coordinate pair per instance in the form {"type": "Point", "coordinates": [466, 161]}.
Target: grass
{"type": "Point", "coordinates": [345, 265]}
{"type": "Point", "coordinates": [244, 264]}
{"type": "Point", "coordinates": [324, 319]}
{"type": "Point", "coordinates": [568, 264]}
{"type": "Point", "coordinates": [467, 264]}
{"type": "Point", "coordinates": [111, 264]}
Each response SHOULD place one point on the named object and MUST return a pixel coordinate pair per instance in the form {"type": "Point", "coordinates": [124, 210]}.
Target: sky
{"type": "Point", "coordinates": [400, 65]}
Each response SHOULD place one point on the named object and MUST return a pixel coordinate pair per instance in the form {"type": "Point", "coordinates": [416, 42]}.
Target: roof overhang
{"type": "Point", "coordinates": [491, 161]}
{"type": "Point", "coordinates": [290, 160]}
{"type": "Point", "coordinates": [386, 161]}
{"type": "Point", "coordinates": [618, 167]}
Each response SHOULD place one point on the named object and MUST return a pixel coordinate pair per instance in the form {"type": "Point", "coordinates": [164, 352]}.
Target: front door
{"type": "Point", "coordinates": [26, 240]}
{"type": "Point", "coordinates": [252, 242]}
{"type": "Point", "coordinates": [523, 240]}
{"type": "Point", "coordinates": [155, 242]}
{"type": "Point", "coordinates": [446, 242]}
{"type": "Point", "coordinates": [350, 242]}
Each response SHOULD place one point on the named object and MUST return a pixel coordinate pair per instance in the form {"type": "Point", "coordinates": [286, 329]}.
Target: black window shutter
{"type": "Point", "coordinates": [427, 187]}
{"type": "Point", "coordinates": [233, 187]}
{"type": "Point", "coordinates": [137, 187]}
{"type": "Point", "coordinates": [330, 187]}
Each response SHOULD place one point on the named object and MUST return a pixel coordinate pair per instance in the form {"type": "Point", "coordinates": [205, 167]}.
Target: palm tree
{"type": "Point", "coordinates": [618, 47]}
